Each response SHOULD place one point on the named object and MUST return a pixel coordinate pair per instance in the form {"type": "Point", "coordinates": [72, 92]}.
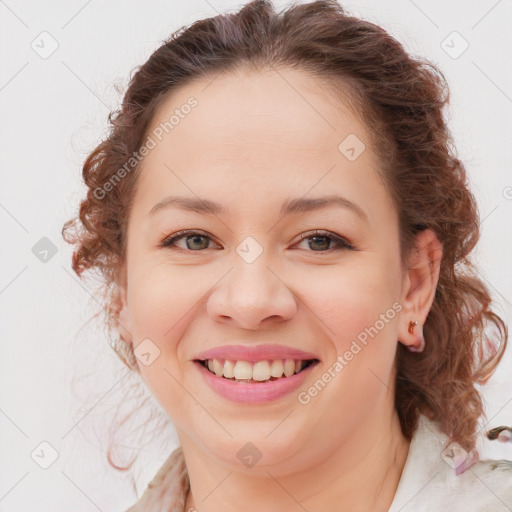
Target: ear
{"type": "Point", "coordinates": [419, 286]}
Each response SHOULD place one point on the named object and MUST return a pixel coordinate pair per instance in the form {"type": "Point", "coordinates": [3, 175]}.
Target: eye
{"type": "Point", "coordinates": [195, 240]}
{"type": "Point", "coordinates": [322, 240]}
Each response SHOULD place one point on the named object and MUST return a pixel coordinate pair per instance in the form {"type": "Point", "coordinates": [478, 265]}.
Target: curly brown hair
{"type": "Point", "coordinates": [401, 99]}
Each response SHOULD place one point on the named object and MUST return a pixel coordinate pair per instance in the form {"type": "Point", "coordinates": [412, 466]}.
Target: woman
{"type": "Point", "coordinates": [284, 231]}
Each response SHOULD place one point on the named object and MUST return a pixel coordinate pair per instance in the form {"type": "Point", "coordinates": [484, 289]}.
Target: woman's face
{"type": "Point", "coordinates": [256, 144]}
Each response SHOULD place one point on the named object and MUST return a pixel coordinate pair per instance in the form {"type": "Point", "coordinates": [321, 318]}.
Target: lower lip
{"type": "Point", "coordinates": [254, 393]}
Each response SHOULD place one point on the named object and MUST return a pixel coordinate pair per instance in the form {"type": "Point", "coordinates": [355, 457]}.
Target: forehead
{"type": "Point", "coordinates": [287, 110]}
{"type": "Point", "coordinates": [261, 133]}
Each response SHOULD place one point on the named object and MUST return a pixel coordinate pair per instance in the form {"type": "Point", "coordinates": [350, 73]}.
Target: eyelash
{"type": "Point", "coordinates": [341, 243]}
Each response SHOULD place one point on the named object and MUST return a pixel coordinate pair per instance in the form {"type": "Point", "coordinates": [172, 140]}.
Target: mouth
{"type": "Point", "coordinates": [255, 372]}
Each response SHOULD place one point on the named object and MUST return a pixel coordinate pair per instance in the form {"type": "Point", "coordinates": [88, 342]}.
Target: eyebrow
{"type": "Point", "coordinates": [289, 207]}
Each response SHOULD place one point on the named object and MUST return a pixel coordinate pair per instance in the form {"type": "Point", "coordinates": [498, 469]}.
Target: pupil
{"type": "Point", "coordinates": [195, 238]}
{"type": "Point", "coordinates": [325, 238]}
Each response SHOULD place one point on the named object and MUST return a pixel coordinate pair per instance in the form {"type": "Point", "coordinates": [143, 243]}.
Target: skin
{"type": "Point", "coordinates": [255, 139]}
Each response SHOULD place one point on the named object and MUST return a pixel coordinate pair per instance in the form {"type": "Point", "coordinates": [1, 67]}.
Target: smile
{"type": "Point", "coordinates": [244, 386]}
{"type": "Point", "coordinates": [259, 371]}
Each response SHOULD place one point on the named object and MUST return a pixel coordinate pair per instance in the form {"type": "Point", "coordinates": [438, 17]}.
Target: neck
{"type": "Point", "coordinates": [362, 474]}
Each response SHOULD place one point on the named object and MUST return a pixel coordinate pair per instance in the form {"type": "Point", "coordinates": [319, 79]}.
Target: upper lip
{"type": "Point", "coordinates": [253, 353]}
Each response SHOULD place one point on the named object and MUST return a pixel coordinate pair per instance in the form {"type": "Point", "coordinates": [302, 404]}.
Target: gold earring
{"type": "Point", "coordinates": [421, 346]}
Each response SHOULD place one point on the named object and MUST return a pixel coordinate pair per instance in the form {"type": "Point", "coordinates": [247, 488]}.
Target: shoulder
{"type": "Point", "coordinates": [487, 485]}
{"type": "Point", "coordinates": [496, 476]}
{"type": "Point", "coordinates": [168, 489]}
{"type": "Point", "coordinates": [429, 481]}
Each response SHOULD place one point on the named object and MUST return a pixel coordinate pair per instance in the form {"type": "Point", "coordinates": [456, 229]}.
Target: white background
{"type": "Point", "coordinates": [60, 385]}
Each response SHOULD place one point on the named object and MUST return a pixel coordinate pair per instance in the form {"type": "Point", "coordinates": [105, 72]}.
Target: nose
{"type": "Point", "coordinates": [252, 296]}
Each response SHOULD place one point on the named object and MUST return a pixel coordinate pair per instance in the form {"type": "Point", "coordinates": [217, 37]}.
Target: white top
{"type": "Point", "coordinates": [428, 482]}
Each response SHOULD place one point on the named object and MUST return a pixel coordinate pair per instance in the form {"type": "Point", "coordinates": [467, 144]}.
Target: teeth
{"type": "Point", "coordinates": [259, 371]}
{"type": "Point", "coordinates": [243, 370]}
{"type": "Point", "coordinates": [276, 370]}
{"type": "Point", "coordinates": [289, 367]}
{"type": "Point", "coordinates": [229, 369]}
{"type": "Point", "coordinates": [217, 368]}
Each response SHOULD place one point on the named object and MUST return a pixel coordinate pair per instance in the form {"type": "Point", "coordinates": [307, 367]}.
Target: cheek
{"type": "Point", "coordinates": [361, 311]}
{"type": "Point", "coordinates": [353, 306]}
{"type": "Point", "coordinates": [351, 299]}
{"type": "Point", "coordinates": [160, 298]}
